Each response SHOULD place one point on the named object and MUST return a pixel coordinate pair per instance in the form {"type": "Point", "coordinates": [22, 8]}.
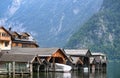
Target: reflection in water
{"type": "Point", "coordinates": [113, 71]}
{"type": "Point", "coordinates": [75, 74]}
{"type": "Point", "coordinates": [16, 76]}
{"type": "Point", "coordinates": [98, 75]}
{"type": "Point", "coordinates": [67, 75]}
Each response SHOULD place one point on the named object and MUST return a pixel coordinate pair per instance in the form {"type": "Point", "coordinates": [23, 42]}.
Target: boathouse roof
{"type": "Point", "coordinates": [34, 51]}
{"type": "Point", "coordinates": [98, 54]}
{"type": "Point", "coordinates": [6, 57]}
{"type": "Point", "coordinates": [78, 52]}
{"type": "Point", "coordinates": [74, 59]}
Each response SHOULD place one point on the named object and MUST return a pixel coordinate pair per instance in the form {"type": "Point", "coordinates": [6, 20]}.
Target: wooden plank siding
{"type": "Point", "coordinates": [80, 58]}
{"type": "Point", "coordinates": [23, 45]}
{"type": "Point", "coordinates": [16, 44]}
{"type": "Point", "coordinates": [59, 57]}
{"type": "Point", "coordinates": [4, 35]}
{"type": "Point", "coordinates": [5, 39]}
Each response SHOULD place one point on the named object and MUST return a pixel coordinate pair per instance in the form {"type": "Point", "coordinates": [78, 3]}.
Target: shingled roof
{"type": "Point", "coordinates": [77, 52]}
{"type": "Point", "coordinates": [34, 51]}
{"type": "Point", "coordinates": [1, 27]}
{"type": "Point", "coordinates": [6, 57]}
{"type": "Point", "coordinates": [98, 54]}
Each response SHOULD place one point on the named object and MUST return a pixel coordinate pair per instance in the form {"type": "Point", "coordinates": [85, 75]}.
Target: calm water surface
{"type": "Point", "coordinates": [113, 71]}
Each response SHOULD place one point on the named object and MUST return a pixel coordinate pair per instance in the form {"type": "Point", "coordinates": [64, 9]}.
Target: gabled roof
{"type": "Point", "coordinates": [98, 54]}
{"type": "Point", "coordinates": [74, 59]}
{"type": "Point", "coordinates": [22, 33]}
{"type": "Point", "coordinates": [34, 51]}
{"type": "Point", "coordinates": [77, 52]}
{"type": "Point", "coordinates": [97, 57]}
{"type": "Point", "coordinates": [16, 57]}
{"type": "Point", "coordinates": [12, 32]}
{"type": "Point", "coordinates": [5, 30]}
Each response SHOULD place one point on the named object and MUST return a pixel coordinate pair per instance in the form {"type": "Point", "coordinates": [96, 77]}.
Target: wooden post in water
{"type": "Point", "coordinates": [93, 68]}
{"type": "Point", "coordinates": [38, 70]}
{"type": "Point", "coordinates": [98, 67]}
{"type": "Point", "coordinates": [31, 69]}
{"type": "Point", "coordinates": [53, 64]}
{"type": "Point", "coordinates": [13, 68]}
{"type": "Point", "coordinates": [9, 69]}
{"type": "Point", "coordinates": [46, 68]}
{"type": "Point", "coordinates": [88, 64]}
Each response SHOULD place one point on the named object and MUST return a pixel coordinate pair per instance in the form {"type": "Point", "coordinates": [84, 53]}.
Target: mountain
{"type": "Point", "coordinates": [101, 32]}
{"type": "Point", "coordinates": [50, 22]}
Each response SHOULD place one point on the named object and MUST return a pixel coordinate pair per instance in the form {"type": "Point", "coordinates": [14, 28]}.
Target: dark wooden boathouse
{"type": "Point", "coordinates": [80, 58]}
{"type": "Point", "coordinates": [98, 61]}
{"type": "Point", "coordinates": [18, 63]}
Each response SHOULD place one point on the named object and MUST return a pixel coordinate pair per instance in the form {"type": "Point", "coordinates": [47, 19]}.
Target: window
{"type": "Point", "coordinates": [6, 44]}
{"type": "Point", "coordinates": [5, 35]}
{"type": "Point", "coordinates": [14, 36]}
{"type": "Point", "coordinates": [24, 37]}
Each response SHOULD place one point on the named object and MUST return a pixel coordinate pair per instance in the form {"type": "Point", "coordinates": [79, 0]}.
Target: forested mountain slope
{"type": "Point", "coordinates": [101, 32]}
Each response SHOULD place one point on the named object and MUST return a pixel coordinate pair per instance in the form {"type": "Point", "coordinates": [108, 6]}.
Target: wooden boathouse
{"type": "Point", "coordinates": [98, 61]}
{"type": "Point", "coordinates": [79, 58]}
{"type": "Point", "coordinates": [47, 54]}
{"type": "Point", "coordinates": [18, 63]}
{"type": "Point", "coordinates": [27, 60]}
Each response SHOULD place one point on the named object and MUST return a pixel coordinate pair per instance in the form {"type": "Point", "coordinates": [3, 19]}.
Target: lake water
{"type": "Point", "coordinates": [113, 71]}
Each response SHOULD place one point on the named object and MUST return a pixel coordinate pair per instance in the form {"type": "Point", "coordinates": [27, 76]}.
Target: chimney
{"type": "Point", "coordinates": [10, 28]}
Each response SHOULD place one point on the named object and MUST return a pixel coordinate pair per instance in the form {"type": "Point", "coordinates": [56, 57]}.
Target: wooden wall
{"type": "Point", "coordinates": [58, 56]}
{"type": "Point", "coordinates": [23, 45]}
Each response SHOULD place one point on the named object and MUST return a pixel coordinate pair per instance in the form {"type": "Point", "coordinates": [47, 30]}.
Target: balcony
{"type": "Point", "coordinates": [5, 38]}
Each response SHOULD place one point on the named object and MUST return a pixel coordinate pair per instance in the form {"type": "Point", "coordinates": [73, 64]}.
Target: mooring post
{"type": "Point", "coordinates": [88, 64]}
{"type": "Point", "coordinates": [53, 64]}
{"type": "Point", "coordinates": [38, 67]}
{"type": "Point", "coordinates": [31, 69]}
{"type": "Point", "coordinates": [93, 68]}
{"type": "Point", "coordinates": [13, 69]}
{"type": "Point", "coordinates": [9, 69]}
{"type": "Point", "coordinates": [38, 70]}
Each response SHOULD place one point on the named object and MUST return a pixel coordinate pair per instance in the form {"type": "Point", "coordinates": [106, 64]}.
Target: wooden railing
{"type": "Point", "coordinates": [5, 38]}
